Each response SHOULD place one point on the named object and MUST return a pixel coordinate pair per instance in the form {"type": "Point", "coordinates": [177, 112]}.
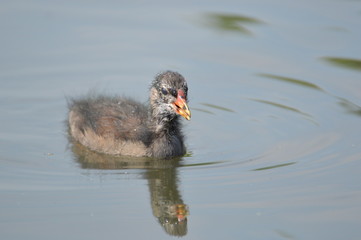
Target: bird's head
{"type": "Point", "coordinates": [168, 96]}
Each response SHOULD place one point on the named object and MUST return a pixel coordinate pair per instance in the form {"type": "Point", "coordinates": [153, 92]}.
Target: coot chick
{"type": "Point", "coordinates": [118, 125]}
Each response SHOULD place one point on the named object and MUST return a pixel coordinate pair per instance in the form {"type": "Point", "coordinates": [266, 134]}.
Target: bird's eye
{"type": "Point", "coordinates": [173, 92]}
{"type": "Point", "coordinates": [164, 91]}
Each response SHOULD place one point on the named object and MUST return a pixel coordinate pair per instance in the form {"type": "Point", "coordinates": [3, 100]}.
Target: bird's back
{"type": "Point", "coordinates": [112, 125]}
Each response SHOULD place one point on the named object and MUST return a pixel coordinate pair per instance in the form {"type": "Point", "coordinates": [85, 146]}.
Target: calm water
{"type": "Point", "coordinates": [274, 144]}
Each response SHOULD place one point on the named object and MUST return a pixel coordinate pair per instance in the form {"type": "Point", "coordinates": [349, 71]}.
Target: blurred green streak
{"type": "Point", "coordinates": [217, 107]}
{"type": "Point", "coordinates": [202, 110]}
{"type": "Point", "coordinates": [274, 166]}
{"type": "Point", "coordinates": [291, 80]}
{"type": "Point", "coordinates": [201, 164]}
{"type": "Point", "coordinates": [350, 107]}
{"type": "Point", "coordinates": [281, 106]}
{"type": "Point", "coordinates": [230, 22]}
{"type": "Point", "coordinates": [354, 64]}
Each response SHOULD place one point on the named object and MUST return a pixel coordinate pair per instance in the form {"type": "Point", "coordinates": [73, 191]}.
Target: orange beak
{"type": "Point", "coordinates": [182, 212]}
{"type": "Point", "coordinates": [180, 105]}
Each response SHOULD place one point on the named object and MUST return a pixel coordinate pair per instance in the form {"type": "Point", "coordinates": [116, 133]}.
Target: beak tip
{"type": "Point", "coordinates": [187, 115]}
{"type": "Point", "coordinates": [180, 106]}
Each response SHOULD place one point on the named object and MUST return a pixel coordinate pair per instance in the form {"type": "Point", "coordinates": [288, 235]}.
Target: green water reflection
{"type": "Point", "coordinates": [347, 105]}
{"type": "Point", "coordinates": [217, 107]}
{"type": "Point", "coordinates": [349, 63]}
{"type": "Point", "coordinates": [298, 82]}
{"type": "Point", "coordinates": [202, 110]}
{"type": "Point", "coordinates": [350, 107]}
{"type": "Point", "coordinates": [281, 106]}
{"type": "Point", "coordinates": [288, 108]}
{"type": "Point", "coordinates": [274, 166]}
{"type": "Point", "coordinates": [230, 22]}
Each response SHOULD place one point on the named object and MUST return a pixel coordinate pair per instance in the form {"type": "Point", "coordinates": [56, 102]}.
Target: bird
{"type": "Point", "coordinates": [119, 125]}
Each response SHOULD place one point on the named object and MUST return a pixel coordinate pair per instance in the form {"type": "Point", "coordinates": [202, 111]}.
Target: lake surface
{"type": "Point", "coordinates": [274, 143]}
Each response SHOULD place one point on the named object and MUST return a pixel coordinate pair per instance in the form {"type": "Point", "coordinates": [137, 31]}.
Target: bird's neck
{"type": "Point", "coordinates": [167, 125]}
{"type": "Point", "coordinates": [167, 138]}
{"type": "Point", "coordinates": [161, 122]}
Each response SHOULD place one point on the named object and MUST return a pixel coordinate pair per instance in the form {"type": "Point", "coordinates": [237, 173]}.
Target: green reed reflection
{"type": "Point", "coordinates": [350, 107]}
{"type": "Point", "coordinates": [307, 116]}
{"type": "Point", "coordinates": [291, 80]}
{"type": "Point", "coordinates": [349, 63]}
{"type": "Point", "coordinates": [202, 110]}
{"type": "Point", "coordinates": [230, 22]}
{"type": "Point", "coordinates": [217, 107]}
{"type": "Point", "coordinates": [274, 166]}
{"type": "Point", "coordinates": [281, 106]}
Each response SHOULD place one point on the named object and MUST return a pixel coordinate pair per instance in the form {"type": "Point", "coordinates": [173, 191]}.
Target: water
{"type": "Point", "coordinates": [274, 144]}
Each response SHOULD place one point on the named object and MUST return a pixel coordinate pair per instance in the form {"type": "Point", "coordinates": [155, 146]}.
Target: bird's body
{"type": "Point", "coordinates": [118, 125]}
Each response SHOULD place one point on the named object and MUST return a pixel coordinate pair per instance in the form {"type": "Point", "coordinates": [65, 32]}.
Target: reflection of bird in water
{"type": "Point", "coordinates": [162, 175]}
{"type": "Point", "coordinates": [167, 203]}
{"type": "Point", "coordinates": [121, 126]}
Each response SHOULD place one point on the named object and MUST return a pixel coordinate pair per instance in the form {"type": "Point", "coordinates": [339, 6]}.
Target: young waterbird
{"type": "Point", "coordinates": [122, 126]}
